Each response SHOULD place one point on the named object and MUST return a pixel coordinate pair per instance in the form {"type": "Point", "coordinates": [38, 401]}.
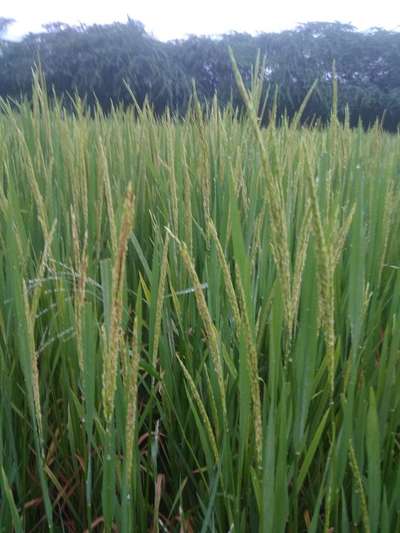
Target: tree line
{"type": "Point", "coordinates": [98, 61]}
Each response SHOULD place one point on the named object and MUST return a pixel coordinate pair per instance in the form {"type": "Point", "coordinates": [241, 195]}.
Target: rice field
{"type": "Point", "coordinates": [199, 322]}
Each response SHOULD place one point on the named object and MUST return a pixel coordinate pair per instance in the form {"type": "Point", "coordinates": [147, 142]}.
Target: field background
{"type": "Point", "coordinates": [199, 322]}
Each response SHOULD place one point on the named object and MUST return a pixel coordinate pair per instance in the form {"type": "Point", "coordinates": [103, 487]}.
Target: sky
{"type": "Point", "coordinates": [171, 19]}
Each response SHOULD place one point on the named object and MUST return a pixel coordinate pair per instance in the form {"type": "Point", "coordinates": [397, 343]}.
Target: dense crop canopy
{"type": "Point", "coordinates": [199, 322]}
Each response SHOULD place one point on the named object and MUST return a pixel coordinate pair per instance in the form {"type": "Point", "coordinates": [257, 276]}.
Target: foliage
{"type": "Point", "coordinates": [4, 23]}
{"type": "Point", "coordinates": [97, 61]}
{"type": "Point", "coordinates": [197, 333]}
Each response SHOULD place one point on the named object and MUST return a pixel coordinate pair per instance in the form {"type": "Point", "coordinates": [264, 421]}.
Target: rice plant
{"type": "Point", "coordinates": [199, 321]}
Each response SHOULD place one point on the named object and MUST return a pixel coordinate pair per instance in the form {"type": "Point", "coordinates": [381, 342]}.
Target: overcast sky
{"type": "Point", "coordinates": [169, 19]}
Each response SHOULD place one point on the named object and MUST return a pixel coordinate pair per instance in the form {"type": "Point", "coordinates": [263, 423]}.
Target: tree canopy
{"type": "Point", "coordinates": [97, 61]}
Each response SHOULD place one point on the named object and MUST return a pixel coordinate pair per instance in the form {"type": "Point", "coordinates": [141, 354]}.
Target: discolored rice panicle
{"type": "Point", "coordinates": [132, 392]}
{"type": "Point", "coordinates": [34, 365]}
{"type": "Point", "coordinates": [160, 300]}
{"type": "Point", "coordinates": [326, 271]}
{"type": "Point", "coordinates": [253, 370]}
{"type": "Point", "coordinates": [202, 410]}
{"type": "Point", "coordinates": [187, 205]}
{"type": "Point", "coordinates": [298, 269]}
{"type": "Point", "coordinates": [341, 237]}
{"type": "Point", "coordinates": [359, 486]}
{"type": "Point", "coordinates": [230, 291]}
{"type": "Point", "coordinates": [275, 203]}
{"type": "Point", "coordinates": [104, 173]}
{"type": "Point", "coordinates": [114, 339]}
{"type": "Point", "coordinates": [210, 329]}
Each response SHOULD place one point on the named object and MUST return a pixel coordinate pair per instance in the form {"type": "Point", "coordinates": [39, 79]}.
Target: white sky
{"type": "Point", "coordinates": [169, 19]}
